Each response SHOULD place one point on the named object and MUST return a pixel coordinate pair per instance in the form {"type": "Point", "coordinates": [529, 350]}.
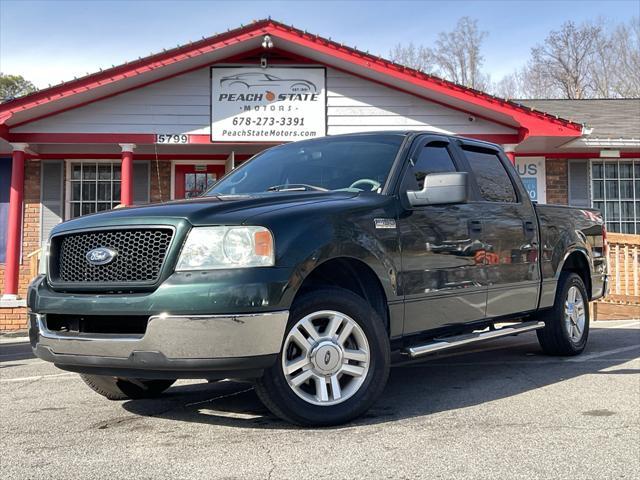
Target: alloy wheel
{"type": "Point", "coordinates": [574, 314]}
{"type": "Point", "coordinates": [326, 358]}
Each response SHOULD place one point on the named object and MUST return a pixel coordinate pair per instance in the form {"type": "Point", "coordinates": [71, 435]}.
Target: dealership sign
{"type": "Point", "coordinates": [252, 104]}
{"type": "Point", "coordinates": [532, 173]}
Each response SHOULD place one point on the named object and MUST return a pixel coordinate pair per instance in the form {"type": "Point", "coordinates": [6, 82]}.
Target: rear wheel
{"type": "Point", "coordinates": [117, 388]}
{"type": "Point", "coordinates": [567, 324]}
{"type": "Point", "coordinates": [334, 361]}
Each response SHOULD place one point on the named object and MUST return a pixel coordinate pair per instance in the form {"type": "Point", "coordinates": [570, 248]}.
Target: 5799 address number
{"type": "Point", "coordinates": [172, 138]}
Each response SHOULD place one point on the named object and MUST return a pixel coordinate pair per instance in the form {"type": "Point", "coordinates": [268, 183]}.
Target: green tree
{"type": "Point", "coordinates": [13, 86]}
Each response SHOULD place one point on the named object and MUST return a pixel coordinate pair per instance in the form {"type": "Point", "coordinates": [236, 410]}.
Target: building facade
{"type": "Point", "coordinates": [167, 126]}
{"type": "Point", "coordinates": [601, 169]}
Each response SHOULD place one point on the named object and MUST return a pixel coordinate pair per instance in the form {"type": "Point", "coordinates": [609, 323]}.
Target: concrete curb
{"type": "Point", "coordinates": [18, 336]}
{"type": "Point", "coordinates": [5, 341]}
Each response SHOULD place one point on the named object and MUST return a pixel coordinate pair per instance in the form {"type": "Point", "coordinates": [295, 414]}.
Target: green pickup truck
{"type": "Point", "coordinates": [312, 268]}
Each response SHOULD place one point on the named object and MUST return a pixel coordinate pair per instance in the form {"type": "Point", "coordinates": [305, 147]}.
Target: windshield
{"type": "Point", "coordinates": [352, 163]}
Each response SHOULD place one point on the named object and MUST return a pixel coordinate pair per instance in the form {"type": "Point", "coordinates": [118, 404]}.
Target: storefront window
{"type": "Point", "coordinates": [615, 191]}
{"type": "Point", "coordinates": [195, 184]}
{"type": "Point", "coordinates": [94, 187]}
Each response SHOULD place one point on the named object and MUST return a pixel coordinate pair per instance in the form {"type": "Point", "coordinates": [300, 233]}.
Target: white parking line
{"type": "Point", "coordinates": [5, 340]}
{"type": "Point", "coordinates": [590, 356]}
{"type": "Point", "coordinates": [615, 324]}
{"type": "Point", "coordinates": [36, 377]}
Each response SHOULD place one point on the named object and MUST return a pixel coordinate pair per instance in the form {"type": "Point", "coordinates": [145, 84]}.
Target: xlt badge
{"type": "Point", "coordinates": [384, 222]}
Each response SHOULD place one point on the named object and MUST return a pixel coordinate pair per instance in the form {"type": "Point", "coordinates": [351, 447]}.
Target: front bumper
{"type": "Point", "coordinates": [173, 346]}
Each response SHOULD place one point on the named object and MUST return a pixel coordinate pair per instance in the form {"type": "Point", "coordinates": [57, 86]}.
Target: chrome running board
{"type": "Point", "coordinates": [451, 342]}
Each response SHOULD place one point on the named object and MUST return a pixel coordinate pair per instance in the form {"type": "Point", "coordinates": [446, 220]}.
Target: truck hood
{"type": "Point", "coordinates": [218, 210]}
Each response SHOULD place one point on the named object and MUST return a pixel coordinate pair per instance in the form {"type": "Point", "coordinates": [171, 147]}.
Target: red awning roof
{"type": "Point", "coordinates": [213, 49]}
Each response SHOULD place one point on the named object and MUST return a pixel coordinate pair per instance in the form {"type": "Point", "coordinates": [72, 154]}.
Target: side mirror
{"type": "Point", "coordinates": [440, 188]}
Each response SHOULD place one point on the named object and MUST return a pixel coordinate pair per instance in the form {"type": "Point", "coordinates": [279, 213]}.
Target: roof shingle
{"type": "Point", "coordinates": [609, 118]}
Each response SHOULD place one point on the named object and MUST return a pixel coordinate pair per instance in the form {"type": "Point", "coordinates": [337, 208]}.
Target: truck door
{"type": "Point", "coordinates": [442, 262]}
{"type": "Point", "coordinates": [509, 231]}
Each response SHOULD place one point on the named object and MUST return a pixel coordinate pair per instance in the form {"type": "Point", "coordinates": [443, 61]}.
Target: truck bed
{"type": "Point", "coordinates": [570, 231]}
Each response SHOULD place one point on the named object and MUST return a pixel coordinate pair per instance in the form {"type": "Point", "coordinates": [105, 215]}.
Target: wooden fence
{"type": "Point", "coordinates": [623, 299]}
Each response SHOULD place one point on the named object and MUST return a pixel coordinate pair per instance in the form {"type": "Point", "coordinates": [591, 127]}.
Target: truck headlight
{"type": "Point", "coordinates": [211, 248]}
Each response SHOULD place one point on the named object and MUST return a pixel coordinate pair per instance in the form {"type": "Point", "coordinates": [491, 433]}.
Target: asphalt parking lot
{"type": "Point", "coordinates": [500, 410]}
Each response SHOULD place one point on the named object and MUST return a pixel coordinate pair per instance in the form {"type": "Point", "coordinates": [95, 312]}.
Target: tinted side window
{"type": "Point", "coordinates": [433, 158]}
{"type": "Point", "coordinates": [491, 177]}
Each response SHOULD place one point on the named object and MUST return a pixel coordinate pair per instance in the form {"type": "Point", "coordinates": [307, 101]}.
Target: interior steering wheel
{"type": "Point", "coordinates": [365, 181]}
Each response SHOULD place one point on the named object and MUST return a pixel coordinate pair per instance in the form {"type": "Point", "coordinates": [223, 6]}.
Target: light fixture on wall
{"type": "Point", "coordinates": [267, 42]}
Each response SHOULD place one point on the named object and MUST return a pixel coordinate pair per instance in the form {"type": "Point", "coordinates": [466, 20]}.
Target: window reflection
{"type": "Point", "coordinates": [195, 184]}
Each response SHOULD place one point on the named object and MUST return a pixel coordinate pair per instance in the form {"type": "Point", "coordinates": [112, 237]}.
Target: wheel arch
{"type": "Point", "coordinates": [577, 261]}
{"type": "Point", "coordinates": [352, 274]}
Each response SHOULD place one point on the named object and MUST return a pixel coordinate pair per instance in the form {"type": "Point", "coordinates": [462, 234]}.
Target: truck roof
{"type": "Point", "coordinates": [405, 133]}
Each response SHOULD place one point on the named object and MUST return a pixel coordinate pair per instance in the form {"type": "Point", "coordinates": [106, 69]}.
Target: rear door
{"type": "Point", "coordinates": [509, 231]}
{"type": "Point", "coordinates": [442, 260]}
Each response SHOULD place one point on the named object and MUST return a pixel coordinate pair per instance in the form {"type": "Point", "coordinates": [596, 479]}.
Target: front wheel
{"type": "Point", "coordinates": [334, 361]}
{"type": "Point", "coordinates": [567, 324]}
{"type": "Point", "coordinates": [117, 388]}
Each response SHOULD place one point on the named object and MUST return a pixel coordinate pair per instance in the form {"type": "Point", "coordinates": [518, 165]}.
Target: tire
{"type": "Point", "coordinates": [566, 332]}
{"type": "Point", "coordinates": [345, 325]}
{"type": "Point", "coordinates": [117, 388]}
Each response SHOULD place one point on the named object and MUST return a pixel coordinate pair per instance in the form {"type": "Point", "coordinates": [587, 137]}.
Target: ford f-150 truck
{"type": "Point", "coordinates": [313, 267]}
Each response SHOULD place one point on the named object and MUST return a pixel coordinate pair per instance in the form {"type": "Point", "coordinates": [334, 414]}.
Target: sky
{"type": "Point", "coordinates": [51, 41]}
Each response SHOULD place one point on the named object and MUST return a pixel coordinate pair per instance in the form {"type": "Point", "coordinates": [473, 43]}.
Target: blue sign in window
{"type": "Point", "coordinates": [531, 184]}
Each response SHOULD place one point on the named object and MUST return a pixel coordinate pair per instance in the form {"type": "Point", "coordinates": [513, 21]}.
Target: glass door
{"type": "Point", "coordinates": [193, 180]}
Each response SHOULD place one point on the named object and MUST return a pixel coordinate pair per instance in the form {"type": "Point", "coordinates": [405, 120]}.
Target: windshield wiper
{"type": "Point", "coordinates": [295, 187]}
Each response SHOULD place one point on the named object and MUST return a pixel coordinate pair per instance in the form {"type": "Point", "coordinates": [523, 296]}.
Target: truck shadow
{"type": "Point", "coordinates": [440, 383]}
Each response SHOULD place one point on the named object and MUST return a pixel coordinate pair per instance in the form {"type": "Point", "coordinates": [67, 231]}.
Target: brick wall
{"type": "Point", "coordinates": [31, 226]}
{"type": "Point", "coordinates": [160, 177]}
{"type": "Point", "coordinates": [15, 318]}
{"type": "Point", "coordinates": [557, 181]}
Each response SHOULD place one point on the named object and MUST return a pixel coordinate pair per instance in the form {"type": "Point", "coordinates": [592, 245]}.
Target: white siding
{"type": "Point", "coordinates": [177, 105]}
{"type": "Point", "coordinates": [181, 105]}
{"type": "Point", "coordinates": [355, 105]}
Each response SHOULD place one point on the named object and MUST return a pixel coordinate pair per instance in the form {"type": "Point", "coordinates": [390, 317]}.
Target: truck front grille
{"type": "Point", "coordinates": [140, 253]}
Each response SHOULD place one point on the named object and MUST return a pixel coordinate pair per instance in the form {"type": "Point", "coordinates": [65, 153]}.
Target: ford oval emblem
{"type": "Point", "coordinates": [101, 256]}
{"type": "Point", "coordinates": [327, 357]}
